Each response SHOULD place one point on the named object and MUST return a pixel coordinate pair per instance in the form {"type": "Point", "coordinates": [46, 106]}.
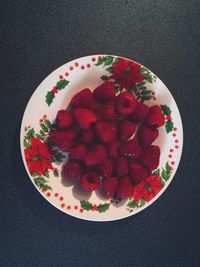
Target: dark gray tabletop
{"type": "Point", "coordinates": [36, 38]}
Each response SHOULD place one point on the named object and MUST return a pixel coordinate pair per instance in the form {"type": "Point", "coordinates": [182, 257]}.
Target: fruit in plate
{"type": "Point", "coordinates": [107, 112]}
{"type": "Point", "coordinates": [96, 155]}
{"type": "Point", "coordinates": [105, 91]}
{"type": "Point", "coordinates": [147, 135]}
{"type": "Point", "coordinates": [126, 129]}
{"type": "Point", "coordinates": [121, 167]}
{"type": "Point", "coordinates": [138, 172]}
{"type": "Point", "coordinates": [139, 113]}
{"type": "Point", "coordinates": [150, 157]}
{"type": "Point", "coordinates": [63, 138]}
{"type": "Point", "coordinates": [155, 117]}
{"type": "Point", "coordinates": [105, 131]}
{"type": "Point", "coordinates": [124, 189]}
{"type": "Point", "coordinates": [130, 149]}
{"type": "Point", "coordinates": [90, 181]}
{"type": "Point", "coordinates": [64, 119]}
{"type": "Point", "coordinates": [110, 185]}
{"type": "Point", "coordinates": [84, 117]}
{"type": "Point", "coordinates": [73, 169]}
{"type": "Point", "coordinates": [83, 99]}
{"type": "Point", "coordinates": [125, 103]}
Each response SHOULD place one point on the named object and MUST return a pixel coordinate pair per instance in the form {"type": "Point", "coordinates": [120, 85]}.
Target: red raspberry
{"type": "Point", "coordinates": [87, 136]}
{"type": "Point", "coordinates": [90, 181]}
{"type": "Point", "coordinates": [73, 169]}
{"type": "Point", "coordinates": [105, 131]}
{"type": "Point", "coordinates": [105, 91]}
{"type": "Point", "coordinates": [126, 130]}
{"type": "Point", "coordinates": [147, 136]}
{"type": "Point", "coordinates": [121, 166]}
{"type": "Point", "coordinates": [63, 139]}
{"type": "Point", "coordinates": [125, 187]}
{"type": "Point", "coordinates": [138, 172]}
{"type": "Point", "coordinates": [113, 148]}
{"type": "Point", "coordinates": [83, 99]}
{"type": "Point", "coordinates": [106, 169]}
{"type": "Point", "coordinates": [130, 149]}
{"type": "Point", "coordinates": [125, 103]}
{"type": "Point", "coordinates": [64, 119]}
{"type": "Point", "coordinates": [84, 117]}
{"type": "Point", "coordinates": [107, 112]}
{"type": "Point", "coordinates": [139, 113]}
{"type": "Point", "coordinates": [96, 155]}
{"type": "Point", "coordinates": [150, 157]}
{"type": "Point", "coordinates": [155, 117]}
{"type": "Point", "coordinates": [110, 185]}
{"type": "Point", "coordinates": [78, 152]}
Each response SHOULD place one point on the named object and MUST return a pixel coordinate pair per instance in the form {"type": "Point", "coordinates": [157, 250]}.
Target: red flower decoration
{"type": "Point", "coordinates": [127, 73]}
{"type": "Point", "coordinates": [148, 188]}
{"type": "Point", "coordinates": [37, 157]}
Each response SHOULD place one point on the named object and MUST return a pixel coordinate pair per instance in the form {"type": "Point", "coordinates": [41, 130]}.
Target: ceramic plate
{"type": "Point", "coordinates": [44, 170]}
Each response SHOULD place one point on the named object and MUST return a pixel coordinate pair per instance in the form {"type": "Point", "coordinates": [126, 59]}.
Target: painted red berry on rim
{"type": "Point", "coordinates": [153, 93]}
{"type": "Point", "coordinates": [175, 129]}
{"type": "Point", "coordinates": [76, 64]}
{"type": "Point", "coordinates": [81, 210]}
{"type": "Point", "coordinates": [41, 120]}
{"type": "Point", "coordinates": [174, 135]}
{"type": "Point", "coordinates": [88, 65]}
{"type": "Point", "coordinates": [43, 190]}
{"type": "Point", "coordinates": [45, 116]}
{"type": "Point", "coordinates": [62, 205]}
{"type": "Point", "coordinates": [168, 118]}
{"type": "Point", "coordinates": [173, 162]}
{"type": "Point", "coordinates": [93, 58]}
{"type": "Point", "coordinates": [56, 195]}
{"type": "Point", "coordinates": [71, 68]}
{"type": "Point", "coordinates": [66, 74]}
{"type": "Point", "coordinates": [75, 207]}
{"type": "Point", "coordinates": [48, 194]}
{"type": "Point", "coordinates": [99, 58]}
{"type": "Point", "coordinates": [61, 77]}
{"type": "Point", "coordinates": [82, 67]}
{"type": "Point", "coordinates": [154, 98]}
{"type": "Point", "coordinates": [176, 146]}
{"type": "Point", "coordinates": [68, 207]}
{"type": "Point", "coordinates": [170, 156]}
{"type": "Point", "coordinates": [171, 150]}
{"type": "Point", "coordinates": [61, 198]}
{"type": "Point", "coordinates": [176, 141]}
{"type": "Point", "coordinates": [171, 168]}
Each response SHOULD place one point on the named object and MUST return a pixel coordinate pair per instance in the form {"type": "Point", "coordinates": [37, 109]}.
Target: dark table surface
{"type": "Point", "coordinates": [36, 38]}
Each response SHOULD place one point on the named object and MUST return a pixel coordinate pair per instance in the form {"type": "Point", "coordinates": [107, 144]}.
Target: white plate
{"type": "Point", "coordinates": [82, 73]}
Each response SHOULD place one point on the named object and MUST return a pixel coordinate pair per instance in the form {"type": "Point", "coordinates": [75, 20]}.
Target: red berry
{"type": "Point", "coordinates": [90, 181]}
{"type": "Point", "coordinates": [87, 136]}
{"type": "Point", "coordinates": [96, 155]}
{"type": "Point", "coordinates": [83, 99]}
{"type": "Point", "coordinates": [150, 157]}
{"type": "Point", "coordinates": [78, 152]}
{"type": "Point", "coordinates": [130, 149]}
{"type": "Point", "coordinates": [84, 117]}
{"type": "Point", "coordinates": [105, 169]}
{"type": "Point", "coordinates": [105, 91]}
{"type": "Point", "coordinates": [125, 103]}
{"type": "Point", "coordinates": [121, 166]}
{"type": "Point", "coordinates": [155, 117]}
{"type": "Point", "coordinates": [147, 136]}
{"type": "Point", "coordinates": [126, 130]}
{"type": "Point", "coordinates": [64, 119]}
{"type": "Point", "coordinates": [110, 185]}
{"type": "Point", "coordinates": [105, 131]}
{"type": "Point", "coordinates": [63, 139]}
{"type": "Point", "coordinates": [113, 148]}
{"type": "Point", "coordinates": [138, 172]}
{"type": "Point", "coordinates": [107, 112]}
{"type": "Point", "coordinates": [139, 113]}
{"type": "Point", "coordinates": [125, 187]}
{"type": "Point", "coordinates": [73, 169]}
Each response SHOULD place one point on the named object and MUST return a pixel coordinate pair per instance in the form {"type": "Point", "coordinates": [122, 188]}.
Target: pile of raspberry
{"type": "Point", "coordinates": [109, 140]}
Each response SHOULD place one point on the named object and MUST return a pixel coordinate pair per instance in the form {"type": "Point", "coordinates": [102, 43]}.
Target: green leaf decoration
{"type": "Point", "coordinates": [55, 173]}
{"type": "Point", "coordinates": [61, 84]}
{"type": "Point", "coordinates": [40, 137]}
{"type": "Point", "coordinates": [142, 202]}
{"type": "Point", "coordinates": [109, 69]}
{"type": "Point", "coordinates": [166, 173]}
{"type": "Point", "coordinates": [145, 92]}
{"type": "Point", "coordinates": [167, 167]}
{"type": "Point", "coordinates": [30, 133]}
{"type": "Point", "coordinates": [27, 144]}
{"type": "Point", "coordinates": [143, 70]}
{"type": "Point", "coordinates": [147, 97]}
{"type": "Point", "coordinates": [49, 97]}
{"type": "Point", "coordinates": [107, 60]}
{"type": "Point", "coordinates": [34, 174]}
{"type": "Point", "coordinates": [156, 172]}
{"type": "Point", "coordinates": [47, 123]}
{"type": "Point", "coordinates": [44, 127]}
{"type": "Point", "coordinates": [162, 182]}
{"type": "Point", "coordinates": [45, 186]}
{"type": "Point", "coordinates": [169, 125]}
{"type": "Point", "coordinates": [41, 183]}
{"type": "Point", "coordinates": [116, 60]}
{"type": "Point", "coordinates": [104, 77]}
{"type": "Point", "coordinates": [149, 78]}
{"type": "Point", "coordinates": [46, 173]}
{"type": "Point", "coordinates": [86, 205]}
{"type": "Point", "coordinates": [166, 110]}
{"type": "Point", "coordinates": [103, 207]}
{"type": "Point", "coordinates": [42, 133]}
{"type": "Point", "coordinates": [133, 204]}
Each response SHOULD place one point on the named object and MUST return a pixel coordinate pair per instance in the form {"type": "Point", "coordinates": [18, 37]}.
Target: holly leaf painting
{"type": "Point", "coordinates": [166, 110]}
{"type": "Point", "coordinates": [61, 84]}
{"type": "Point", "coordinates": [86, 205]}
{"type": "Point", "coordinates": [103, 207]}
{"type": "Point", "coordinates": [49, 97]}
{"type": "Point", "coordinates": [169, 125]}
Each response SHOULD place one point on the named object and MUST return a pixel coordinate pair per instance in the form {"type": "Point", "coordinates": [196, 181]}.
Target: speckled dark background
{"type": "Point", "coordinates": [36, 38]}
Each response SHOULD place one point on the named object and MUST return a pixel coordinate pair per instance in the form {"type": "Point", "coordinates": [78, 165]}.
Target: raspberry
{"type": "Point", "coordinates": [130, 149]}
{"type": "Point", "coordinates": [110, 185]}
{"type": "Point", "coordinates": [73, 169]}
{"type": "Point", "coordinates": [107, 112]}
{"type": "Point", "coordinates": [139, 113]}
{"type": "Point", "coordinates": [155, 117]}
{"type": "Point", "coordinates": [96, 155]}
{"type": "Point", "coordinates": [105, 131]}
{"type": "Point", "coordinates": [126, 130]}
{"type": "Point", "coordinates": [121, 166]}
{"type": "Point", "coordinates": [125, 103]}
{"type": "Point", "coordinates": [125, 187]}
{"type": "Point", "coordinates": [63, 139]}
{"type": "Point", "coordinates": [64, 119]}
{"type": "Point", "coordinates": [150, 157]}
{"type": "Point", "coordinates": [147, 136]}
{"type": "Point", "coordinates": [105, 91]}
{"type": "Point", "coordinates": [113, 148]}
{"type": "Point", "coordinates": [83, 99]}
{"type": "Point", "coordinates": [105, 169]}
{"type": "Point", "coordinates": [78, 152]}
{"type": "Point", "coordinates": [84, 117]}
{"type": "Point", "coordinates": [87, 136]}
{"type": "Point", "coordinates": [138, 172]}
{"type": "Point", "coordinates": [90, 181]}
